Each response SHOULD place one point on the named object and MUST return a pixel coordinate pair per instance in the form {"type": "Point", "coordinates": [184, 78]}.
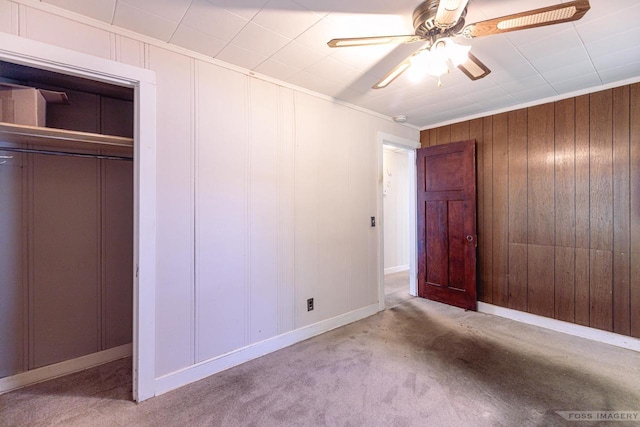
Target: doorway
{"type": "Point", "coordinates": [397, 212]}
{"type": "Point", "coordinates": [395, 203]}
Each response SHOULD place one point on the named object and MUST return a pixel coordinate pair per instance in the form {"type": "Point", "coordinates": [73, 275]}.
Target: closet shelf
{"type": "Point", "coordinates": [61, 138]}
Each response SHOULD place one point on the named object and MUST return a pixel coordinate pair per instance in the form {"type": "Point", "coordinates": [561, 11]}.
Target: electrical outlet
{"type": "Point", "coordinates": [310, 304]}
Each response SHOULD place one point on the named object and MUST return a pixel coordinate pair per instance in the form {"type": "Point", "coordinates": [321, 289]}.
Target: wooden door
{"type": "Point", "coordinates": [447, 238]}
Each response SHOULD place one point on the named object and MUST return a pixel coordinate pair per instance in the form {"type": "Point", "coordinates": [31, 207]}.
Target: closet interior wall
{"type": "Point", "coordinates": [66, 251]}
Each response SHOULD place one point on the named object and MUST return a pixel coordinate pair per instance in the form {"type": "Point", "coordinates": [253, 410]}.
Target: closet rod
{"type": "Point", "coordinates": [64, 153]}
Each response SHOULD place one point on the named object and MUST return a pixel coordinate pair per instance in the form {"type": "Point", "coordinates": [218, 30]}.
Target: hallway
{"type": "Point", "coordinates": [396, 288]}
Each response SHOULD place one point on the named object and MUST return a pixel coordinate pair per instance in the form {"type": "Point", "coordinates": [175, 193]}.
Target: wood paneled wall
{"type": "Point", "coordinates": [559, 207]}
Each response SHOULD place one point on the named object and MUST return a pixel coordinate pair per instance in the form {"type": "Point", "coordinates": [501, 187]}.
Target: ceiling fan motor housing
{"type": "Point", "coordinates": [424, 20]}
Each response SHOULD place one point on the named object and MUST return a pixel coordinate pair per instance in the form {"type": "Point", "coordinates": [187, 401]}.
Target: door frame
{"type": "Point", "coordinates": [411, 147]}
{"type": "Point", "coordinates": [36, 54]}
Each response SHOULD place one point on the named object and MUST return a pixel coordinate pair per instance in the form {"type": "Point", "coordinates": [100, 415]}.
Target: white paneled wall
{"type": "Point", "coordinates": [265, 150]}
{"type": "Point", "coordinates": [286, 210]}
{"type": "Point", "coordinates": [308, 208]}
{"type": "Point", "coordinates": [128, 51]}
{"type": "Point", "coordinates": [175, 210]}
{"type": "Point", "coordinates": [332, 194]}
{"type": "Point", "coordinates": [264, 195]}
{"type": "Point", "coordinates": [70, 34]}
{"type": "Point", "coordinates": [8, 17]}
{"type": "Point", "coordinates": [222, 211]}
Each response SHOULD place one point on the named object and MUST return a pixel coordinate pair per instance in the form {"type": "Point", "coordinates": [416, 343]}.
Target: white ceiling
{"type": "Point", "coordinates": [286, 39]}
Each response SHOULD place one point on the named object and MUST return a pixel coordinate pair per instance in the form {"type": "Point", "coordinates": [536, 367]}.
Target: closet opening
{"type": "Point", "coordinates": [67, 224]}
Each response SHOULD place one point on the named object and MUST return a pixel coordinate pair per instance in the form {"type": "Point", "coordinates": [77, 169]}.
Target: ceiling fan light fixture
{"type": "Point", "coordinates": [456, 53]}
{"type": "Point", "coordinates": [449, 12]}
{"type": "Point", "coordinates": [435, 21]}
{"type": "Point", "coordinates": [437, 64]}
{"type": "Point", "coordinates": [538, 18]}
{"type": "Point", "coordinates": [392, 75]}
{"type": "Point", "coordinates": [419, 65]}
{"type": "Point", "coordinates": [435, 61]}
{"type": "Point", "coordinates": [361, 42]}
{"type": "Point", "coordinates": [474, 68]}
{"type": "Point", "coordinates": [437, 68]}
{"type": "Point", "coordinates": [460, 54]}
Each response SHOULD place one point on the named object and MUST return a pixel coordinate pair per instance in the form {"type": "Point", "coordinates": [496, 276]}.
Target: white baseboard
{"type": "Point", "coordinates": [396, 269]}
{"type": "Point", "coordinates": [56, 370]}
{"type": "Point", "coordinates": [220, 363]}
{"type": "Point", "coordinates": [561, 326]}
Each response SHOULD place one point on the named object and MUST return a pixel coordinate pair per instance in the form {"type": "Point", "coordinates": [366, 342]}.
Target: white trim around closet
{"type": "Point", "coordinates": [32, 53]}
{"type": "Point", "coordinates": [60, 369]}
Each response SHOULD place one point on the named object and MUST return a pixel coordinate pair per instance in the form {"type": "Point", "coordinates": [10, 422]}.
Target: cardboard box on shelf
{"type": "Point", "coordinates": [24, 105]}
{"type": "Point", "coordinates": [6, 110]}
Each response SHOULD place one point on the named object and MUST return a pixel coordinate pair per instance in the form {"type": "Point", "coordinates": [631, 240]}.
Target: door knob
{"type": "Point", "coordinates": [469, 238]}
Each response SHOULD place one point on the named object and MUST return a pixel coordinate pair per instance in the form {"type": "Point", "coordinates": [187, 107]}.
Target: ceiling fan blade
{"type": "Point", "coordinates": [565, 12]}
{"type": "Point", "coordinates": [474, 68]}
{"type": "Point", "coordinates": [395, 73]}
{"type": "Point", "coordinates": [449, 12]}
{"type": "Point", "coordinates": [365, 41]}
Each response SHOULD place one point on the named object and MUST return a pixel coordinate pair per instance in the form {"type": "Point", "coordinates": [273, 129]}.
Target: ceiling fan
{"type": "Point", "coordinates": [437, 21]}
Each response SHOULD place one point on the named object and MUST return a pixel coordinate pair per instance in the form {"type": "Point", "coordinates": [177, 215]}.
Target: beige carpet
{"type": "Point", "coordinates": [396, 288]}
{"type": "Point", "coordinates": [419, 363]}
